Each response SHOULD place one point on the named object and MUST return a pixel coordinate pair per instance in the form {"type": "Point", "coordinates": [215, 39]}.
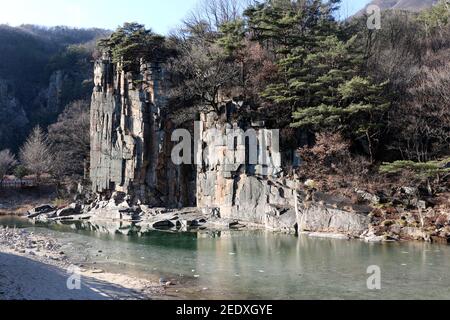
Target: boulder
{"type": "Point", "coordinates": [413, 233]}
{"type": "Point", "coordinates": [396, 229]}
{"type": "Point", "coordinates": [320, 218]}
{"type": "Point", "coordinates": [410, 191]}
{"type": "Point", "coordinates": [72, 210]}
{"type": "Point", "coordinates": [46, 217]}
{"type": "Point", "coordinates": [374, 239]}
{"type": "Point", "coordinates": [43, 209]}
{"type": "Point", "coordinates": [131, 214]}
{"type": "Point", "coordinates": [164, 224]}
{"type": "Point", "coordinates": [188, 223]}
{"type": "Point", "coordinates": [211, 212]}
{"type": "Point", "coordinates": [367, 196]}
{"type": "Point", "coordinates": [284, 220]}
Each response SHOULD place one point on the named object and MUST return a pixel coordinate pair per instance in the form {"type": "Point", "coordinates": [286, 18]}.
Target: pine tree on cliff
{"type": "Point", "coordinates": [131, 43]}
{"type": "Point", "coordinates": [319, 69]}
{"type": "Point", "coordinates": [232, 35]}
{"type": "Point", "coordinates": [329, 93]}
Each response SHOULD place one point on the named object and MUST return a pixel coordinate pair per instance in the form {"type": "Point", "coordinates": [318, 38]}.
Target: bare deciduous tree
{"type": "Point", "coordinates": [7, 162]}
{"type": "Point", "coordinates": [214, 13]}
{"type": "Point", "coordinates": [202, 74]}
{"type": "Point", "coordinates": [70, 140]}
{"type": "Point", "coordinates": [36, 154]}
{"type": "Point", "coordinates": [423, 121]}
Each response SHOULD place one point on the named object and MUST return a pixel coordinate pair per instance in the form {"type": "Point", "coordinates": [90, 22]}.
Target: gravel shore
{"type": "Point", "coordinates": [33, 267]}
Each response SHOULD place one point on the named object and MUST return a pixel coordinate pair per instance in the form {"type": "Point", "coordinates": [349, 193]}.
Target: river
{"type": "Point", "coordinates": [259, 264]}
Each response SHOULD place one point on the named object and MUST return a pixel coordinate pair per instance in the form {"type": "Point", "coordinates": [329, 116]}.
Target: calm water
{"type": "Point", "coordinates": [263, 265]}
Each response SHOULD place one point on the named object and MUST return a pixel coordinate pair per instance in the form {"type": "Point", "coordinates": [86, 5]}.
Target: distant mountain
{"type": "Point", "coordinates": [41, 70]}
{"type": "Point", "coordinates": [409, 5]}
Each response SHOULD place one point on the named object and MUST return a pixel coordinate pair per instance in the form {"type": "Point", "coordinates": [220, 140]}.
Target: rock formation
{"type": "Point", "coordinates": [238, 177]}
{"type": "Point", "coordinates": [129, 137]}
{"type": "Point", "coordinates": [14, 119]}
{"type": "Point", "coordinates": [231, 186]}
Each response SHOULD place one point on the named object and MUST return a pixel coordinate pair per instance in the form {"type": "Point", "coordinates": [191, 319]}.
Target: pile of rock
{"type": "Point", "coordinates": [24, 242]}
{"type": "Point", "coordinates": [396, 223]}
{"type": "Point", "coordinates": [48, 213]}
{"type": "Point", "coordinates": [371, 220]}
{"type": "Point", "coordinates": [143, 218]}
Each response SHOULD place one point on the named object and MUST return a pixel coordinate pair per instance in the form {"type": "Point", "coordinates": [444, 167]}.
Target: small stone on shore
{"type": "Point", "coordinates": [97, 271]}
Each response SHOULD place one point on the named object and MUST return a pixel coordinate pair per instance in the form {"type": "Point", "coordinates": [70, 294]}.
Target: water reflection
{"type": "Point", "coordinates": [262, 265]}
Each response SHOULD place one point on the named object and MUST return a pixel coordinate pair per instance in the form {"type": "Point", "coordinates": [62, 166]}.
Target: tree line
{"type": "Point", "coordinates": [42, 70]}
{"type": "Point", "coordinates": [61, 154]}
{"type": "Point", "coordinates": [359, 105]}
{"type": "Point", "coordinates": [352, 100]}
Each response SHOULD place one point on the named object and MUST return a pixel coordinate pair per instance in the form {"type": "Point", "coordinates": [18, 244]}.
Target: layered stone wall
{"type": "Point", "coordinates": [232, 185]}
{"type": "Point", "coordinates": [129, 145]}
{"type": "Point", "coordinates": [237, 173]}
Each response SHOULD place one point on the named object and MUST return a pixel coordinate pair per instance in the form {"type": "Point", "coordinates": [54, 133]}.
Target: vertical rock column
{"type": "Point", "coordinates": [227, 183]}
{"type": "Point", "coordinates": [125, 129]}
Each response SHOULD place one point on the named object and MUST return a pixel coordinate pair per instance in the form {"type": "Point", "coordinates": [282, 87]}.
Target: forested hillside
{"type": "Point", "coordinates": [348, 97]}
{"type": "Point", "coordinates": [360, 107]}
{"type": "Point", "coordinates": [42, 70]}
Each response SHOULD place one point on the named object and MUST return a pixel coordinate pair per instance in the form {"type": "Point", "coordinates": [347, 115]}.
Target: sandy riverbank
{"type": "Point", "coordinates": [33, 268]}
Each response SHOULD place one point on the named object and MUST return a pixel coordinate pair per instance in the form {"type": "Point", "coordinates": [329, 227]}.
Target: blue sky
{"type": "Point", "coordinates": [160, 15]}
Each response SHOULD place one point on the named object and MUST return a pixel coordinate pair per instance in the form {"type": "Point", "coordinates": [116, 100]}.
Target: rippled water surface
{"type": "Point", "coordinates": [262, 265]}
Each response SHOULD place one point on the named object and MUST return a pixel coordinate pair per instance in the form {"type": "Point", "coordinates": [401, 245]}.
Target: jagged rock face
{"type": "Point", "coordinates": [50, 99]}
{"type": "Point", "coordinates": [131, 161]}
{"type": "Point", "coordinates": [261, 194]}
{"type": "Point", "coordinates": [128, 137]}
{"type": "Point", "coordinates": [332, 220]}
{"type": "Point", "coordinates": [236, 189]}
{"type": "Point", "coordinates": [13, 120]}
{"type": "Point", "coordinates": [131, 154]}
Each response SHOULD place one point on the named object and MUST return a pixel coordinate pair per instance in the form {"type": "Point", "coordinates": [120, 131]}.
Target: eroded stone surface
{"type": "Point", "coordinates": [324, 219]}
{"type": "Point", "coordinates": [133, 173]}
{"type": "Point", "coordinates": [129, 137]}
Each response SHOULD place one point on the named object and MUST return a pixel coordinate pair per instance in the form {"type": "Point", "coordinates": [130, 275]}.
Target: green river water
{"type": "Point", "coordinates": [260, 265]}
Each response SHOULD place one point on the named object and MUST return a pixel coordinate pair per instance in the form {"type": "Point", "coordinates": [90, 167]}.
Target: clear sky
{"type": "Point", "coordinates": [160, 15]}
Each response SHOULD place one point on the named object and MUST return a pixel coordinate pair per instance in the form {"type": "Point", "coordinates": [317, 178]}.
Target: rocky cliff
{"type": "Point", "coordinates": [130, 139]}
{"type": "Point", "coordinates": [14, 119]}
{"type": "Point", "coordinates": [232, 186]}
{"type": "Point", "coordinates": [42, 70]}
{"type": "Point", "coordinates": [237, 178]}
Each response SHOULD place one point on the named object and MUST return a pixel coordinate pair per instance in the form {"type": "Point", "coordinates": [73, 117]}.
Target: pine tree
{"type": "Point", "coordinates": [319, 69]}
{"type": "Point", "coordinates": [131, 43]}
{"type": "Point", "coordinates": [293, 29]}
{"type": "Point", "coordinates": [422, 169]}
{"type": "Point", "coordinates": [436, 17]}
{"type": "Point", "coordinates": [282, 25]}
{"type": "Point", "coordinates": [329, 94]}
{"type": "Point", "coordinates": [232, 35]}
